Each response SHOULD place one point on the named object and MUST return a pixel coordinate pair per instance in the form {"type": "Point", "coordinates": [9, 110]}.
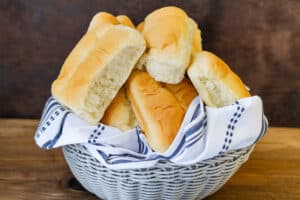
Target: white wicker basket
{"type": "Point", "coordinates": [165, 180]}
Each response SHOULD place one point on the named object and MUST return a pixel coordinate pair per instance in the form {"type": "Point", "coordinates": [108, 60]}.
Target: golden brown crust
{"type": "Point", "coordinates": [123, 19]}
{"type": "Point", "coordinates": [164, 26]}
{"type": "Point", "coordinates": [156, 108]}
{"type": "Point", "coordinates": [183, 91]}
{"type": "Point", "coordinates": [102, 19]}
{"type": "Point", "coordinates": [169, 35]}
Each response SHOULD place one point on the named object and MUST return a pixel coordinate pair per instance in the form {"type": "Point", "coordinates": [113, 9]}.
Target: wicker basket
{"type": "Point", "coordinates": [165, 180]}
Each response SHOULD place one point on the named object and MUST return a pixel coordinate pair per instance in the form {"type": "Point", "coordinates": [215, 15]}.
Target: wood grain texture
{"type": "Point", "coordinates": [27, 172]}
{"type": "Point", "coordinates": [259, 39]}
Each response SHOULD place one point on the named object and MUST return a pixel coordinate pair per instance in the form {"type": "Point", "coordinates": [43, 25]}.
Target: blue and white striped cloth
{"type": "Point", "coordinates": [204, 133]}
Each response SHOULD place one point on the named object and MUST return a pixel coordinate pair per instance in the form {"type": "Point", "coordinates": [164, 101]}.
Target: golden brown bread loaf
{"type": "Point", "coordinates": [169, 34]}
{"type": "Point", "coordinates": [119, 113]}
{"type": "Point", "coordinates": [183, 91]}
{"type": "Point", "coordinates": [97, 68]}
{"type": "Point", "coordinates": [216, 84]}
{"type": "Point", "coordinates": [157, 110]}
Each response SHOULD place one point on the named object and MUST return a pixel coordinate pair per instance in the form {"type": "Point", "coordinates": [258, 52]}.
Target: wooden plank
{"type": "Point", "coordinates": [272, 171]}
{"type": "Point", "coordinates": [27, 172]}
{"type": "Point", "coordinates": [44, 190]}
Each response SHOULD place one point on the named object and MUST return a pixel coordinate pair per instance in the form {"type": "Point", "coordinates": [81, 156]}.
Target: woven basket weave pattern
{"type": "Point", "coordinates": [165, 180]}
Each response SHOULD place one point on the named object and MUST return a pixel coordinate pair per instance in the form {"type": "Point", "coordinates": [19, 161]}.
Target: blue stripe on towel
{"type": "Point", "coordinates": [139, 140]}
{"type": "Point", "coordinates": [98, 144]}
{"type": "Point", "coordinates": [48, 110]}
{"type": "Point", "coordinates": [196, 127]}
{"type": "Point", "coordinates": [50, 143]}
{"type": "Point", "coordinates": [196, 140]}
{"type": "Point", "coordinates": [191, 139]}
{"type": "Point", "coordinates": [47, 103]}
{"type": "Point", "coordinates": [103, 155]}
{"type": "Point", "coordinates": [129, 155]}
{"type": "Point", "coordinates": [145, 151]}
{"type": "Point", "coordinates": [196, 112]}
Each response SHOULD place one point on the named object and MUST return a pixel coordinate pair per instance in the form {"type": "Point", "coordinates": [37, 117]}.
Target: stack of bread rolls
{"type": "Point", "coordinates": [126, 76]}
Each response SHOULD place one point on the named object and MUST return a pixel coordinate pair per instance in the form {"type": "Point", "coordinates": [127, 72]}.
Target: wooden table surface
{"type": "Point", "coordinates": [27, 172]}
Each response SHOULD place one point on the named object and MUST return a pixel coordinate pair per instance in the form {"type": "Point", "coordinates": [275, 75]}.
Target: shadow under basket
{"type": "Point", "coordinates": [164, 180]}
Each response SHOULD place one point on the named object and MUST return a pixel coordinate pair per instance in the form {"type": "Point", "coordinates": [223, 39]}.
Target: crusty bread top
{"type": "Point", "coordinates": [169, 36]}
{"type": "Point", "coordinates": [102, 19]}
{"type": "Point", "coordinates": [164, 26]}
{"type": "Point", "coordinates": [123, 19]}
{"type": "Point", "coordinates": [119, 113]}
{"type": "Point", "coordinates": [183, 91]}
{"type": "Point", "coordinates": [157, 110]}
{"type": "Point", "coordinates": [221, 82]}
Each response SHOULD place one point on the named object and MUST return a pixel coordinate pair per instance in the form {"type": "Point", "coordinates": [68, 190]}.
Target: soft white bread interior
{"type": "Point", "coordinates": [183, 91]}
{"type": "Point", "coordinates": [169, 34]}
{"type": "Point", "coordinates": [97, 68]}
{"type": "Point", "coordinates": [119, 113]}
{"type": "Point", "coordinates": [123, 19]}
{"type": "Point", "coordinates": [157, 110]}
{"type": "Point", "coordinates": [216, 84]}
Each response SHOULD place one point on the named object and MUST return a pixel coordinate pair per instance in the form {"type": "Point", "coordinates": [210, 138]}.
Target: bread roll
{"type": "Point", "coordinates": [157, 110]}
{"type": "Point", "coordinates": [183, 91]}
{"type": "Point", "coordinates": [123, 19]}
{"type": "Point", "coordinates": [216, 84]}
{"type": "Point", "coordinates": [102, 19]}
{"type": "Point", "coordinates": [169, 35]}
{"type": "Point", "coordinates": [96, 69]}
{"type": "Point", "coordinates": [119, 113]}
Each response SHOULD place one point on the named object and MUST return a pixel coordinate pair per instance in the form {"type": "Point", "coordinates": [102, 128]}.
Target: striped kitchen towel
{"type": "Point", "coordinates": [204, 133]}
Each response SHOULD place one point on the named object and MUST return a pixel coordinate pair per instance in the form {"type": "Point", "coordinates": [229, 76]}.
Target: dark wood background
{"type": "Point", "coordinates": [259, 39]}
